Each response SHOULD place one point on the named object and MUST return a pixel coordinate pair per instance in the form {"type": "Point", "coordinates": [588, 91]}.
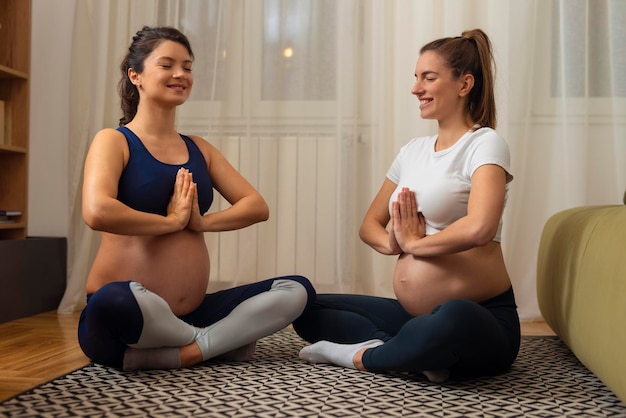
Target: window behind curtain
{"type": "Point", "coordinates": [296, 39]}
{"type": "Point", "coordinates": [588, 48]}
{"type": "Point", "coordinates": [299, 50]}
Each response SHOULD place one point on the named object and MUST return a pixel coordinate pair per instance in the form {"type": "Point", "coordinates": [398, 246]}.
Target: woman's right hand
{"type": "Point", "coordinates": [408, 225]}
{"type": "Point", "coordinates": [181, 202]}
{"type": "Point", "coordinates": [377, 229]}
{"type": "Point", "coordinates": [394, 247]}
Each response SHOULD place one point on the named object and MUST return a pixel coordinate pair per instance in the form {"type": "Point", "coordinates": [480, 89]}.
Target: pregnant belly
{"type": "Point", "coordinates": [421, 283]}
{"type": "Point", "coordinates": [174, 266]}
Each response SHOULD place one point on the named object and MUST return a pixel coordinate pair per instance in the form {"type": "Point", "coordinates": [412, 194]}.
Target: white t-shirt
{"type": "Point", "coordinates": [442, 180]}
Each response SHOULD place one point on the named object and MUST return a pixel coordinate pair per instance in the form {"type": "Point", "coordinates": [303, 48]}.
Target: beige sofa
{"type": "Point", "coordinates": [581, 287]}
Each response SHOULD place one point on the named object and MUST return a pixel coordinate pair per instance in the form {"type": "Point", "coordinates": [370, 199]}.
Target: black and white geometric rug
{"type": "Point", "coordinates": [545, 381]}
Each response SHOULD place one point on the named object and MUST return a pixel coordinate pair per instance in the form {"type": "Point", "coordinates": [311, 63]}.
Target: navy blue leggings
{"type": "Point", "coordinates": [112, 318]}
{"type": "Point", "coordinates": [467, 338]}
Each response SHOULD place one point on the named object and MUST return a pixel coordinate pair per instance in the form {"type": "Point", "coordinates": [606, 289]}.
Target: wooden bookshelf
{"type": "Point", "coordinates": [15, 27]}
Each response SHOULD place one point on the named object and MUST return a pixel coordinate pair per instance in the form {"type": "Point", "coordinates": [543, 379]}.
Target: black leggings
{"type": "Point", "coordinates": [467, 338]}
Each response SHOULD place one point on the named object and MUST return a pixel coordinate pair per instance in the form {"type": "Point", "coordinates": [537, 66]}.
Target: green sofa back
{"type": "Point", "coordinates": [581, 287]}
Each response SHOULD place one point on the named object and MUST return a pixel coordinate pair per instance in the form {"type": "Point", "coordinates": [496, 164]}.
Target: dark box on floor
{"type": "Point", "coordinates": [33, 274]}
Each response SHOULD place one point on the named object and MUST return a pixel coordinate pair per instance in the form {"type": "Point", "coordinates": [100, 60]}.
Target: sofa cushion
{"type": "Point", "coordinates": [581, 287]}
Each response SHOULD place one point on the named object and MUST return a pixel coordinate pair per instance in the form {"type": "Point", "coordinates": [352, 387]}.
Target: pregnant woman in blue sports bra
{"type": "Point", "coordinates": [148, 189]}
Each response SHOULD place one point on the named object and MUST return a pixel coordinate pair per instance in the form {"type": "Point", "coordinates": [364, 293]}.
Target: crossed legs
{"type": "Point", "coordinates": [459, 335]}
{"type": "Point", "coordinates": [130, 325]}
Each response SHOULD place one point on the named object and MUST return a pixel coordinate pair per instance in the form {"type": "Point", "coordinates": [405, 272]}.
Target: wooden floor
{"type": "Point", "coordinates": [40, 348]}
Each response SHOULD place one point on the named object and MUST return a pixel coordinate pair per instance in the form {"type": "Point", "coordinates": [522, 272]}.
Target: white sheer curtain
{"type": "Point", "coordinates": [566, 121]}
{"type": "Point", "coordinates": [311, 101]}
{"type": "Point", "coordinates": [102, 30]}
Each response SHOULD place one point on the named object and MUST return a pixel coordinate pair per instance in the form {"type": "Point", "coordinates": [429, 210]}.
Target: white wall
{"type": "Point", "coordinates": [48, 209]}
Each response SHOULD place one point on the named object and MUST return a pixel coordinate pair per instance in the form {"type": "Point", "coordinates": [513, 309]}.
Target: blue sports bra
{"type": "Point", "coordinates": [147, 184]}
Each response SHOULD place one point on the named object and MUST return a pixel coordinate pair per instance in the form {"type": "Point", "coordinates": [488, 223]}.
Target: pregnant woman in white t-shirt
{"type": "Point", "coordinates": [439, 211]}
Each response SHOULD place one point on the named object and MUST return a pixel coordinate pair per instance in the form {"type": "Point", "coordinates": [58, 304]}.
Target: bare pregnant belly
{"type": "Point", "coordinates": [174, 266]}
{"type": "Point", "coordinates": [422, 283]}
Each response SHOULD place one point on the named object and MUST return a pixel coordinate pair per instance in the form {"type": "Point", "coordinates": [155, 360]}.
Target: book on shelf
{"type": "Point", "coordinates": [9, 213]}
{"type": "Point", "coordinates": [7, 117]}
{"type": "Point", "coordinates": [3, 137]}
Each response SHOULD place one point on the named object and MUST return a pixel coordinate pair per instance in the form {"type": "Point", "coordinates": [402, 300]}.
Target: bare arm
{"type": "Point", "coordinates": [247, 205]}
{"type": "Point", "coordinates": [373, 228]}
{"type": "Point", "coordinates": [477, 228]}
{"type": "Point", "coordinates": [101, 209]}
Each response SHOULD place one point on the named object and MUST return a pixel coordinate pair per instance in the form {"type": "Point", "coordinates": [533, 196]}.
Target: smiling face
{"type": "Point", "coordinates": [441, 95]}
{"type": "Point", "coordinates": [166, 75]}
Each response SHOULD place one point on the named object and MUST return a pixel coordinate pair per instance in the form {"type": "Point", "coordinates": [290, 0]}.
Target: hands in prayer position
{"type": "Point", "coordinates": [407, 224]}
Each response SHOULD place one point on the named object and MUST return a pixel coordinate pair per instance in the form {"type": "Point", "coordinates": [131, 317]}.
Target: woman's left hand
{"type": "Point", "coordinates": [195, 219]}
{"type": "Point", "coordinates": [408, 224]}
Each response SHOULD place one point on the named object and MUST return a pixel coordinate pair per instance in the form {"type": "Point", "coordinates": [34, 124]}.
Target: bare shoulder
{"type": "Point", "coordinates": [108, 137]}
{"type": "Point", "coordinates": [109, 143]}
{"type": "Point", "coordinates": [109, 133]}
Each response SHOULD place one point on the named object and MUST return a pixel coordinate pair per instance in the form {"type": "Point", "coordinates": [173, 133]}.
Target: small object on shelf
{"type": "Point", "coordinates": [10, 212]}
{"type": "Point", "coordinates": [6, 216]}
{"type": "Point", "coordinates": [3, 138]}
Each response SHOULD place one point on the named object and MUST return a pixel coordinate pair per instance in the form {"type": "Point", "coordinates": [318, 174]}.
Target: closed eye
{"type": "Point", "coordinates": [428, 75]}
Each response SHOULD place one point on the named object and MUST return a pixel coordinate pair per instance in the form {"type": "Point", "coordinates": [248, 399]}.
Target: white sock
{"type": "Point", "coordinates": [333, 353]}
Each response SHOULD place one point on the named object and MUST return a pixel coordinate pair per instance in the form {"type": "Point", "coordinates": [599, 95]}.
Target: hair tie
{"type": "Point", "coordinates": [471, 39]}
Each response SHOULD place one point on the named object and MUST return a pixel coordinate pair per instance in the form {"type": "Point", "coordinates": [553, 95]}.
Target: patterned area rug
{"type": "Point", "coordinates": [545, 381]}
